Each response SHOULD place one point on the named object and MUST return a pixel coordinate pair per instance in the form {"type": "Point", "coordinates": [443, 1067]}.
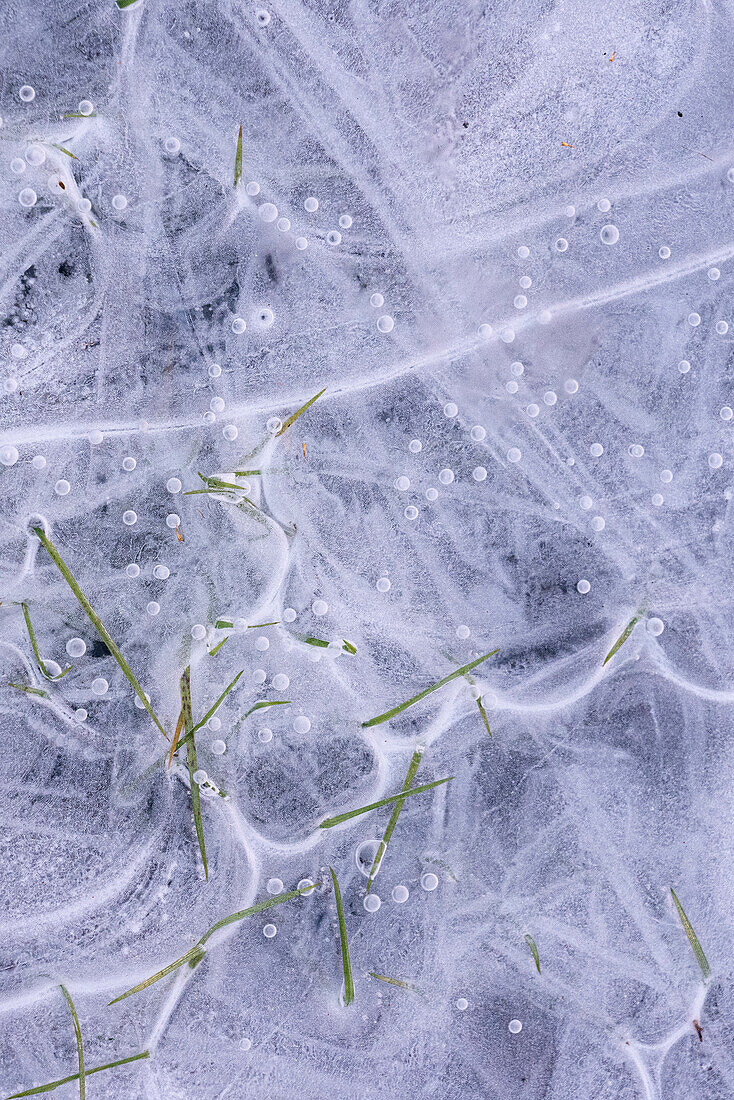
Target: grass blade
{"type": "Point", "coordinates": [218, 646]}
{"type": "Point", "coordinates": [99, 626]}
{"type": "Point", "coordinates": [382, 847]}
{"type": "Point", "coordinates": [223, 624]}
{"type": "Point", "coordinates": [299, 412]}
{"type": "Point", "coordinates": [257, 626]}
{"type": "Point", "coordinates": [63, 149]}
{"type": "Point", "coordinates": [483, 713]}
{"type": "Point", "coordinates": [396, 981]}
{"type": "Point", "coordinates": [176, 735]}
{"type": "Point", "coordinates": [692, 938]}
{"type": "Point", "coordinates": [125, 3]}
{"type": "Point", "coordinates": [262, 705]}
{"type": "Point", "coordinates": [79, 1044]}
{"type": "Point", "coordinates": [218, 703]}
{"type": "Point", "coordinates": [427, 691]}
{"type": "Point", "coordinates": [323, 644]}
{"type": "Point", "coordinates": [238, 160]}
{"type": "Point", "coordinates": [349, 647]}
{"type": "Point", "coordinates": [30, 690]}
{"type": "Point", "coordinates": [622, 637]}
{"type": "Point", "coordinates": [74, 1076]}
{"type": "Point", "coordinates": [188, 723]}
{"type": "Point", "coordinates": [195, 954]}
{"type": "Point", "coordinates": [533, 950]}
{"type": "Point", "coordinates": [36, 652]}
{"type": "Point", "coordinates": [330, 822]}
{"type": "Point", "coordinates": [346, 964]}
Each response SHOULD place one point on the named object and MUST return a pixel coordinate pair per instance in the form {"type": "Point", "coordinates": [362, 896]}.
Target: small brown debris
{"type": "Point", "coordinates": [613, 56]}
{"type": "Point", "coordinates": [567, 146]}
{"type": "Point", "coordinates": [699, 1030]}
{"type": "Point", "coordinates": [304, 449]}
{"type": "Point", "coordinates": [179, 536]}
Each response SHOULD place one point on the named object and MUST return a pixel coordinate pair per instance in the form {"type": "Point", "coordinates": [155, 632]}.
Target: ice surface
{"type": "Point", "coordinates": [515, 286]}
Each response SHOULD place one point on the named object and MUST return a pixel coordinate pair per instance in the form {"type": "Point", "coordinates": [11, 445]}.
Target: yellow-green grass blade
{"type": "Point", "coordinates": [125, 3]}
{"type": "Point", "coordinates": [692, 938]}
{"type": "Point", "coordinates": [159, 974]}
{"type": "Point", "coordinates": [330, 822]}
{"type": "Point", "coordinates": [622, 638]}
{"type": "Point", "coordinates": [238, 160]}
{"type": "Point", "coordinates": [397, 982]}
{"type": "Point", "coordinates": [74, 1076]}
{"type": "Point", "coordinates": [36, 651]}
{"type": "Point", "coordinates": [382, 847]}
{"type": "Point", "coordinates": [427, 691]}
{"type": "Point", "coordinates": [79, 1044]}
{"type": "Point", "coordinates": [346, 964]}
{"type": "Point", "coordinates": [265, 703]}
{"type": "Point", "coordinates": [483, 713]}
{"type": "Point", "coordinates": [533, 950]}
{"type": "Point", "coordinates": [218, 646]}
{"type": "Point", "coordinates": [30, 690]}
{"type": "Point", "coordinates": [223, 624]}
{"type": "Point", "coordinates": [190, 730]}
{"type": "Point", "coordinates": [99, 626]}
{"type": "Point", "coordinates": [299, 412]}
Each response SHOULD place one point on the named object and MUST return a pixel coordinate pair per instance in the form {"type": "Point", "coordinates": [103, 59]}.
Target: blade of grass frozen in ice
{"type": "Point", "coordinates": [265, 703]}
{"type": "Point", "coordinates": [63, 149]}
{"type": "Point", "coordinates": [323, 644]}
{"type": "Point", "coordinates": [223, 624]}
{"type": "Point", "coordinates": [483, 713]}
{"type": "Point", "coordinates": [196, 953]}
{"type": "Point", "coordinates": [299, 412]}
{"type": "Point", "coordinates": [382, 846]}
{"type": "Point", "coordinates": [257, 626]}
{"type": "Point", "coordinates": [30, 690]}
{"type": "Point", "coordinates": [99, 626]}
{"type": "Point", "coordinates": [36, 651]}
{"type": "Point", "coordinates": [238, 160]}
{"type": "Point", "coordinates": [427, 691]}
{"type": "Point", "coordinates": [622, 637]}
{"type": "Point", "coordinates": [443, 865]}
{"type": "Point", "coordinates": [216, 705]}
{"type": "Point", "coordinates": [533, 950]}
{"type": "Point", "coordinates": [125, 3]}
{"type": "Point", "coordinates": [218, 646]}
{"type": "Point", "coordinates": [75, 1076]}
{"type": "Point", "coordinates": [188, 723]}
{"type": "Point", "coordinates": [176, 735]}
{"type": "Point", "coordinates": [79, 1044]}
{"type": "Point", "coordinates": [692, 938]}
{"type": "Point", "coordinates": [78, 114]}
{"type": "Point", "coordinates": [349, 647]}
{"type": "Point", "coordinates": [247, 473]}
{"type": "Point", "coordinates": [397, 982]}
{"type": "Point", "coordinates": [330, 822]}
{"type": "Point", "coordinates": [346, 964]}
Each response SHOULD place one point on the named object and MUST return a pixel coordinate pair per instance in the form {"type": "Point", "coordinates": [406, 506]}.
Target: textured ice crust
{"type": "Point", "coordinates": [500, 236]}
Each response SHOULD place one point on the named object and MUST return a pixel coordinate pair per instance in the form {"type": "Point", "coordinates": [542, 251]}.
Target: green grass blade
{"type": "Point", "coordinates": [30, 690]}
{"type": "Point", "coordinates": [125, 3]}
{"type": "Point", "coordinates": [622, 638]}
{"type": "Point", "coordinates": [78, 114]}
{"type": "Point", "coordinates": [36, 651]}
{"type": "Point", "coordinates": [218, 646]}
{"type": "Point", "coordinates": [246, 473]}
{"type": "Point", "coordinates": [63, 149]}
{"type": "Point", "coordinates": [158, 975]}
{"type": "Point", "coordinates": [396, 981]}
{"type": "Point", "coordinates": [427, 691]}
{"type": "Point", "coordinates": [262, 705]}
{"type": "Point", "coordinates": [299, 412]}
{"type": "Point", "coordinates": [188, 723]}
{"type": "Point", "coordinates": [260, 907]}
{"type": "Point", "coordinates": [79, 1044]}
{"type": "Point", "coordinates": [346, 964]}
{"type": "Point", "coordinates": [330, 822]}
{"type": "Point", "coordinates": [483, 713]}
{"type": "Point", "coordinates": [533, 950]}
{"type": "Point", "coordinates": [349, 647]}
{"type": "Point", "coordinates": [692, 938]}
{"type": "Point", "coordinates": [382, 847]}
{"type": "Point", "coordinates": [238, 160]}
{"type": "Point", "coordinates": [223, 624]}
{"type": "Point", "coordinates": [99, 626]}
{"type": "Point", "coordinates": [323, 644]}
{"type": "Point", "coordinates": [74, 1076]}
{"type": "Point", "coordinates": [258, 626]}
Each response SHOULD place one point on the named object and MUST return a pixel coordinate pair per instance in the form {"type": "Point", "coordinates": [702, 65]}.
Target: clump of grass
{"type": "Point", "coordinates": [188, 725]}
{"type": "Point", "coordinates": [622, 637]}
{"type": "Point", "coordinates": [238, 160]}
{"type": "Point", "coordinates": [382, 847]}
{"type": "Point", "coordinates": [533, 950]}
{"type": "Point", "coordinates": [483, 713]}
{"type": "Point", "coordinates": [97, 623]}
{"type": "Point", "coordinates": [330, 822]}
{"type": "Point", "coordinates": [346, 964]}
{"type": "Point", "coordinates": [692, 938]}
{"type": "Point", "coordinates": [299, 412]}
{"type": "Point", "coordinates": [79, 1044]}
{"type": "Point", "coordinates": [427, 691]}
{"type": "Point", "coordinates": [75, 1076]}
{"type": "Point", "coordinates": [36, 652]}
{"type": "Point", "coordinates": [196, 953]}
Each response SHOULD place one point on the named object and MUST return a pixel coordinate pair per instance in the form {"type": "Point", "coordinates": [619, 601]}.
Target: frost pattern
{"type": "Point", "coordinates": [498, 238]}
